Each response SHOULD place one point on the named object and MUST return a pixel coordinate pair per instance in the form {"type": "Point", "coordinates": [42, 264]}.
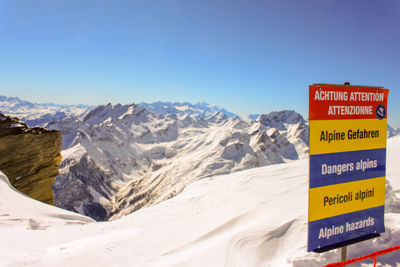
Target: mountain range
{"type": "Point", "coordinates": [117, 159]}
{"type": "Point", "coordinates": [39, 114]}
{"type": "Point", "coordinates": [120, 158]}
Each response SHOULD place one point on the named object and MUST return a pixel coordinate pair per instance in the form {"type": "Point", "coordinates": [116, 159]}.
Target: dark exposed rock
{"type": "Point", "coordinates": [29, 157]}
{"type": "Point", "coordinates": [74, 191]}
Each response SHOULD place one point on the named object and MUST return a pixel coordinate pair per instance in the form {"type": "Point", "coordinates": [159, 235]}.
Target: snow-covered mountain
{"type": "Point", "coordinates": [34, 114]}
{"type": "Point", "coordinates": [199, 110]}
{"type": "Point", "coordinates": [255, 217]}
{"type": "Point", "coordinates": [117, 159]}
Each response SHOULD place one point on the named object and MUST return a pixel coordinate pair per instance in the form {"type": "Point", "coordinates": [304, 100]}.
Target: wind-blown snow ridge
{"type": "Point", "coordinates": [19, 210]}
{"type": "Point", "coordinates": [255, 217]}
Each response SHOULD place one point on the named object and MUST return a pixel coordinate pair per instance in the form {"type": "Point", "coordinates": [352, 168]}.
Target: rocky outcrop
{"type": "Point", "coordinates": [29, 157]}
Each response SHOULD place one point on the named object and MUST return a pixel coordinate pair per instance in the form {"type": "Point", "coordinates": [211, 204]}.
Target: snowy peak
{"type": "Point", "coordinates": [280, 118]}
{"type": "Point", "coordinates": [109, 113]}
{"type": "Point", "coordinates": [199, 110]}
{"type": "Point", "coordinates": [14, 104]}
{"type": "Point", "coordinates": [217, 117]}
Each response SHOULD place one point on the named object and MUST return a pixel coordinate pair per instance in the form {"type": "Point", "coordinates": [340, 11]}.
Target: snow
{"type": "Point", "coordinates": [74, 152]}
{"type": "Point", "coordinates": [392, 168]}
{"type": "Point", "coordinates": [256, 217]}
{"type": "Point", "coordinates": [17, 211]}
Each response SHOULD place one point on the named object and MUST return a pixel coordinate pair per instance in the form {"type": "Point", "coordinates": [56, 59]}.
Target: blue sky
{"type": "Point", "coordinates": [246, 56]}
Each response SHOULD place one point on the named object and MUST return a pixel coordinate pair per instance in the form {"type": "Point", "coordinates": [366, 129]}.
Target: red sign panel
{"type": "Point", "coordinates": [329, 102]}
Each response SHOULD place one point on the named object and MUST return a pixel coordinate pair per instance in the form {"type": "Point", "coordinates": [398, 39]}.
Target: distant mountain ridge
{"type": "Point", "coordinates": [16, 104]}
{"type": "Point", "coordinates": [198, 110]}
{"type": "Point", "coordinates": [34, 114]}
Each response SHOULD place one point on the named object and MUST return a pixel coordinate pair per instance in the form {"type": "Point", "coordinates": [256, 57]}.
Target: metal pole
{"type": "Point", "coordinates": [343, 252]}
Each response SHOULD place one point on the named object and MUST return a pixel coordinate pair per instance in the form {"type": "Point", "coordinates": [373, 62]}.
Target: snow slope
{"type": "Point", "coordinates": [256, 217]}
{"type": "Point", "coordinates": [22, 212]}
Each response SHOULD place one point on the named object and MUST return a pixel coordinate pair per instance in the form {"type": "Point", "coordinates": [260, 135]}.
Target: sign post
{"type": "Point", "coordinates": [347, 164]}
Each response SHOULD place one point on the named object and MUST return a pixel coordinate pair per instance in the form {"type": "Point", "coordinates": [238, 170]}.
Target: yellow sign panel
{"type": "Point", "coordinates": [344, 198]}
{"type": "Point", "coordinates": [331, 136]}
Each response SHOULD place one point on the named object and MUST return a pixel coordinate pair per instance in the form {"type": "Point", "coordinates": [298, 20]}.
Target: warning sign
{"type": "Point", "coordinates": [347, 163]}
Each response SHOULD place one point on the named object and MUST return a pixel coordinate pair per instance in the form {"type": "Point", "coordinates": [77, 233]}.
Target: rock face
{"type": "Point", "coordinates": [29, 157]}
